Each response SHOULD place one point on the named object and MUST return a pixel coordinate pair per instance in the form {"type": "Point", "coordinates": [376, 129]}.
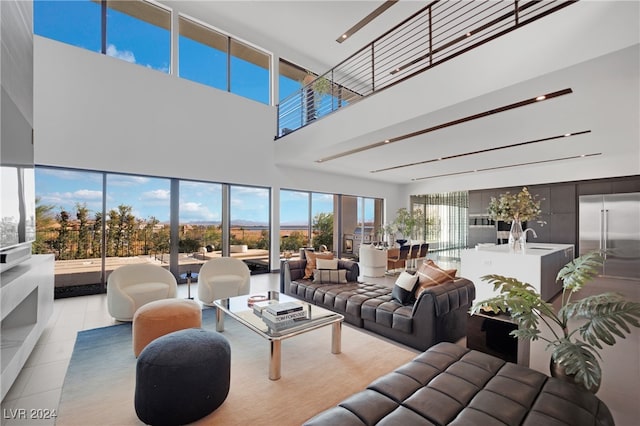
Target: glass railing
{"type": "Point", "coordinates": [440, 31]}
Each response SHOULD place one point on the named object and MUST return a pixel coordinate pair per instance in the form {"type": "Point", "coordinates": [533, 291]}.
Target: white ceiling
{"type": "Point", "coordinates": [533, 60]}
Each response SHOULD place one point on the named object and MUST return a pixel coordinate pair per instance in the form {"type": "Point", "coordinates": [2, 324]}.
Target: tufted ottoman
{"type": "Point", "coordinates": [182, 376]}
{"type": "Point", "coordinates": [161, 317]}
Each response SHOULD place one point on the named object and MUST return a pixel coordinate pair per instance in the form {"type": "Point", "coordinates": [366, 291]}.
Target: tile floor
{"type": "Point", "coordinates": [39, 385]}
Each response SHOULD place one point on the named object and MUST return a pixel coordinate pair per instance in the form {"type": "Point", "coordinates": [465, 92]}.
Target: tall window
{"type": "Point", "coordinates": [323, 220]}
{"type": "Point", "coordinates": [306, 219]}
{"type": "Point", "coordinates": [139, 32]}
{"type": "Point", "coordinates": [137, 218]}
{"type": "Point", "coordinates": [200, 224]}
{"type": "Point", "coordinates": [69, 224]}
{"type": "Point", "coordinates": [249, 72]}
{"type": "Point", "coordinates": [73, 22]}
{"type": "Point", "coordinates": [202, 54]}
{"type": "Point", "coordinates": [249, 220]}
{"type": "Point", "coordinates": [294, 220]}
{"type": "Point", "coordinates": [290, 78]}
{"type": "Point", "coordinates": [290, 81]}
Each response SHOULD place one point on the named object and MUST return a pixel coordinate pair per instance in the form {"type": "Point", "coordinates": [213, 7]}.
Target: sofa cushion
{"type": "Point", "coordinates": [404, 288]}
{"type": "Point", "coordinates": [311, 261]}
{"type": "Point", "coordinates": [429, 275]}
{"type": "Point", "coordinates": [330, 276]}
{"type": "Point", "coordinates": [326, 263]}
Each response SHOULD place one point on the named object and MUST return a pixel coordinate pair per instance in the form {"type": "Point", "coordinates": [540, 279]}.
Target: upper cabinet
{"type": "Point", "coordinates": [610, 186]}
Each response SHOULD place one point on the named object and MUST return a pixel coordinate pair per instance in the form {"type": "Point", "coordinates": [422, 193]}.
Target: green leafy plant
{"type": "Point", "coordinates": [606, 316]}
{"type": "Point", "coordinates": [407, 221]}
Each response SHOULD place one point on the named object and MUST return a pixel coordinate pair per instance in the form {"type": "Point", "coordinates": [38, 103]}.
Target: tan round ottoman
{"type": "Point", "coordinates": [160, 317]}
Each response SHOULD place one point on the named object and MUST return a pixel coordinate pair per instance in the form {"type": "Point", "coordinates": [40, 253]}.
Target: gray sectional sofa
{"type": "Point", "coordinates": [438, 315]}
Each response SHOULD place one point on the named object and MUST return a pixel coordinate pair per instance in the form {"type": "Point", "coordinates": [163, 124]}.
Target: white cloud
{"type": "Point", "coordinates": [87, 194]}
{"type": "Point", "coordinates": [125, 55]}
{"type": "Point", "coordinates": [190, 207]}
{"type": "Point", "coordinates": [126, 181]}
{"type": "Point", "coordinates": [157, 194]}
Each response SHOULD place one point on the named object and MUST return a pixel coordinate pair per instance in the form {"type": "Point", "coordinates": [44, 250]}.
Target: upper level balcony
{"type": "Point", "coordinates": [440, 31]}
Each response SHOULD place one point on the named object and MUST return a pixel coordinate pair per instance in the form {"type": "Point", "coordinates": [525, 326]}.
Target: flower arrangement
{"type": "Point", "coordinates": [519, 207]}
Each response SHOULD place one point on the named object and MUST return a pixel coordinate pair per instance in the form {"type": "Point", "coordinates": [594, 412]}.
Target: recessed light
{"type": "Point", "coordinates": [506, 166]}
{"type": "Point", "coordinates": [387, 141]}
{"type": "Point", "coordinates": [479, 151]}
{"type": "Point", "coordinates": [567, 135]}
{"type": "Point", "coordinates": [468, 34]}
{"type": "Point", "coordinates": [440, 126]}
{"type": "Point", "coordinates": [366, 20]}
{"type": "Point", "coordinates": [541, 98]}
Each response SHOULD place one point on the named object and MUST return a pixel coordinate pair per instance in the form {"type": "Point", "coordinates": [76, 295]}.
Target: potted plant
{"type": "Point", "coordinates": [315, 89]}
{"type": "Point", "coordinates": [404, 223]}
{"type": "Point", "coordinates": [573, 352]}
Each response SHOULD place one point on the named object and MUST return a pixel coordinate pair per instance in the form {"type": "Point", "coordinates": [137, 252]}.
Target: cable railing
{"type": "Point", "coordinates": [436, 33]}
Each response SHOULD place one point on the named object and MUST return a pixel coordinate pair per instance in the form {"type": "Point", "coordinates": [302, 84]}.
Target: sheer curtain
{"type": "Point", "coordinates": [444, 223]}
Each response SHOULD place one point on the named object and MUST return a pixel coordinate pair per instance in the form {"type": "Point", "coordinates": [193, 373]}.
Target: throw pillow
{"type": "Point", "coordinates": [403, 288]}
{"type": "Point", "coordinates": [429, 275]}
{"type": "Point", "coordinates": [311, 261]}
{"type": "Point", "coordinates": [330, 276]}
{"type": "Point", "coordinates": [327, 263]}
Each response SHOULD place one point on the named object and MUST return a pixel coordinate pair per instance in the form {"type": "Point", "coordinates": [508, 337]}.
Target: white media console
{"type": "Point", "coordinates": [26, 304]}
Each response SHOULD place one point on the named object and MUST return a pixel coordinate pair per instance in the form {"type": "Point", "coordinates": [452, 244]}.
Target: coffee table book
{"type": "Point", "coordinates": [283, 308]}
{"type": "Point", "coordinates": [266, 315]}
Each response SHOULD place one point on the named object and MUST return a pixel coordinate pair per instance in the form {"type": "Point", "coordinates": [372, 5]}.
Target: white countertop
{"type": "Point", "coordinates": [531, 249]}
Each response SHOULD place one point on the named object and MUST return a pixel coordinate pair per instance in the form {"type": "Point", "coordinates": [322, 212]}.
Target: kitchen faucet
{"type": "Point", "coordinates": [523, 238]}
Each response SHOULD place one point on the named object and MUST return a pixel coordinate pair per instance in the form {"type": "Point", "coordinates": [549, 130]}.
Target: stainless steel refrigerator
{"type": "Point", "coordinates": [612, 222]}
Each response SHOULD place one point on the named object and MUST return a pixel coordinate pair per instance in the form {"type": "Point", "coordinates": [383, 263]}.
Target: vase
{"type": "Point", "coordinates": [559, 372]}
{"type": "Point", "coordinates": [515, 236]}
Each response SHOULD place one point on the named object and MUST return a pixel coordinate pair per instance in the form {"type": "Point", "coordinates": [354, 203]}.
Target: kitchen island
{"type": "Point", "coordinates": [538, 264]}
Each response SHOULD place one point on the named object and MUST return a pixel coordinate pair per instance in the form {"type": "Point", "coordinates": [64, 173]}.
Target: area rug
{"type": "Point", "coordinates": [100, 381]}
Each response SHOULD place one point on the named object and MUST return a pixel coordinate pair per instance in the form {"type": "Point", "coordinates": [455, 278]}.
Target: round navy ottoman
{"type": "Point", "coordinates": [182, 376]}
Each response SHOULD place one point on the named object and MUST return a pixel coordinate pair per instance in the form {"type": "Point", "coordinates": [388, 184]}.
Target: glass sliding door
{"type": "Point", "coordinates": [137, 221]}
{"type": "Point", "coordinates": [199, 224]}
{"type": "Point", "coordinates": [249, 230]}
{"type": "Point", "coordinates": [294, 222]}
{"type": "Point", "coordinates": [69, 224]}
{"type": "Point", "coordinates": [323, 221]}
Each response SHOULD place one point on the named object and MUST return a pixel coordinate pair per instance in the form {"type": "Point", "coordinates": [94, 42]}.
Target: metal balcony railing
{"type": "Point", "coordinates": [440, 31]}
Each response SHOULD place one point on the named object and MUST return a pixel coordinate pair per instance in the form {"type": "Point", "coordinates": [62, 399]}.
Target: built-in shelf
{"type": "Point", "coordinates": [26, 303]}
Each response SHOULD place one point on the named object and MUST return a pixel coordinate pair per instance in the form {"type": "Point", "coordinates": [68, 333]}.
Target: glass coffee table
{"type": "Point", "coordinates": [239, 308]}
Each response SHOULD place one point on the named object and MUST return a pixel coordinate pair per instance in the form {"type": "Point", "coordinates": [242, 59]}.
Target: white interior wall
{"type": "Point", "coordinates": [95, 112]}
{"type": "Point", "coordinates": [16, 79]}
